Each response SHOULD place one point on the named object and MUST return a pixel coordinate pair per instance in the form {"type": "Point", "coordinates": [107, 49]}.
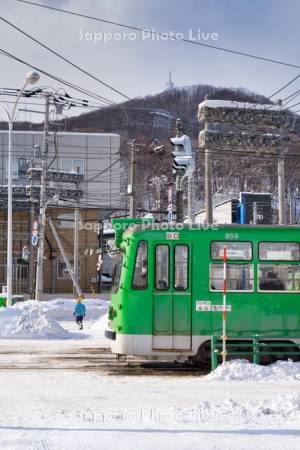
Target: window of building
{"type": "Point", "coordinates": [162, 267]}
{"type": "Point", "coordinates": [279, 251]}
{"type": "Point", "coordinates": [66, 220]}
{"type": "Point", "coordinates": [70, 165]}
{"type": "Point", "coordinates": [181, 260]}
{"type": "Point", "coordinates": [279, 277]}
{"type": "Point", "coordinates": [239, 277]}
{"type": "Point", "coordinates": [62, 270]}
{"type": "Point", "coordinates": [140, 276]}
{"type": "Point", "coordinates": [234, 250]}
{"type": "Point", "coordinates": [19, 167]}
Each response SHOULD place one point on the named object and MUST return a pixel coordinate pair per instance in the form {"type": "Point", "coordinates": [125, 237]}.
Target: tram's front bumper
{"type": "Point", "coordinates": [110, 334]}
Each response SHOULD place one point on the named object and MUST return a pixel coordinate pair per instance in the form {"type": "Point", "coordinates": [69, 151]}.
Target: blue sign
{"type": "Point", "coordinates": [34, 240]}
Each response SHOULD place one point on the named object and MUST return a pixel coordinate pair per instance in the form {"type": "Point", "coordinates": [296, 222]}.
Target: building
{"type": "Point", "coordinates": [97, 157]}
{"type": "Point", "coordinates": [223, 212]}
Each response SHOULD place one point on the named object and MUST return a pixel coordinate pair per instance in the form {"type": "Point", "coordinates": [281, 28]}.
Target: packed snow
{"type": "Point", "coordinates": [82, 410]}
{"type": "Point", "coordinates": [41, 320]}
{"type": "Point", "coordinates": [234, 104]}
{"type": "Point", "coordinates": [243, 370]}
{"type": "Point", "coordinates": [238, 406]}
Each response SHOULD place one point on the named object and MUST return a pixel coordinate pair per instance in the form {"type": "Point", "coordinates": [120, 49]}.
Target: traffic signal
{"type": "Point", "coordinates": [183, 155]}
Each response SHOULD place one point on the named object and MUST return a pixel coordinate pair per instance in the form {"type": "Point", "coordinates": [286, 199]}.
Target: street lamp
{"type": "Point", "coordinates": [31, 78]}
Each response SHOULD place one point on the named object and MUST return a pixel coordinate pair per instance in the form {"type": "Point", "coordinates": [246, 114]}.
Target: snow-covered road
{"type": "Point", "coordinates": [42, 409]}
{"type": "Point", "coordinates": [46, 405]}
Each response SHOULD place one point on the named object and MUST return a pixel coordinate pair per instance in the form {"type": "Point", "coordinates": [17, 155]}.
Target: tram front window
{"type": "Point", "coordinates": [117, 267]}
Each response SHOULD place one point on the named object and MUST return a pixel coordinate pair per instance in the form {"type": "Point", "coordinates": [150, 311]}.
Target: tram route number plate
{"type": "Point", "coordinates": [172, 235]}
{"type": "Point", "coordinates": [205, 305]}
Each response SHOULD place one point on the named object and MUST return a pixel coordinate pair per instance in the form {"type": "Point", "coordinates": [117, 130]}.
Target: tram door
{"type": "Point", "coordinates": [172, 303]}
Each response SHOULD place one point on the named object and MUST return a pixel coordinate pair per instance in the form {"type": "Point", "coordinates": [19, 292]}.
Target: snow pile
{"type": "Point", "coordinates": [243, 370]}
{"type": "Point", "coordinates": [98, 327]}
{"type": "Point", "coordinates": [281, 407]}
{"type": "Point", "coordinates": [28, 320]}
{"type": "Point", "coordinates": [36, 320]}
{"type": "Point", "coordinates": [62, 308]}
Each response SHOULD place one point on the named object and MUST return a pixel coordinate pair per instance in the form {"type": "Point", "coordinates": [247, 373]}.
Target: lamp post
{"type": "Point", "coordinates": [31, 78]}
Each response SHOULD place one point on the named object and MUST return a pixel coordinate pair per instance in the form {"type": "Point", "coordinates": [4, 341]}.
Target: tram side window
{"type": "Point", "coordinates": [279, 277]}
{"type": "Point", "coordinates": [117, 268]}
{"type": "Point", "coordinates": [239, 277]}
{"type": "Point", "coordinates": [279, 251]}
{"type": "Point", "coordinates": [140, 276]}
{"type": "Point", "coordinates": [181, 256]}
{"type": "Point", "coordinates": [162, 267]}
{"type": "Point", "coordinates": [235, 250]}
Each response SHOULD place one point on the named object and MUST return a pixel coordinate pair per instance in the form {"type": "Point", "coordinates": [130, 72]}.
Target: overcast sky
{"type": "Point", "coordinates": [139, 65]}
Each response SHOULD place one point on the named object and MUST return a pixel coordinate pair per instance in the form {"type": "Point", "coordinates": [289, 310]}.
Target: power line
{"type": "Point", "coordinates": [292, 98]}
{"type": "Point", "coordinates": [163, 35]}
{"type": "Point", "coordinates": [285, 86]}
{"type": "Point", "coordinates": [60, 80]}
{"type": "Point", "coordinates": [65, 59]}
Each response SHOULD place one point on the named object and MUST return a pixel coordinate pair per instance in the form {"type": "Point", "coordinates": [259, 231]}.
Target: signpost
{"type": "Point", "coordinates": [34, 240]}
{"type": "Point", "coordinates": [35, 233]}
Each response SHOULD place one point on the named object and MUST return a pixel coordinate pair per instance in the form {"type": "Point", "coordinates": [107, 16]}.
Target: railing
{"type": "Point", "coordinates": [20, 278]}
{"type": "Point", "coordinates": [259, 346]}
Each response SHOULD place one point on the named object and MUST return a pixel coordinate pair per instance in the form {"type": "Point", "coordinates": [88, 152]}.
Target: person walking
{"type": "Point", "coordinates": [79, 313]}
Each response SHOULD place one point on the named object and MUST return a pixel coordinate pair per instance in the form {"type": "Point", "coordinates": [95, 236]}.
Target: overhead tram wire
{"type": "Point", "coordinates": [37, 41]}
{"type": "Point", "coordinates": [163, 35]}
{"type": "Point", "coordinates": [60, 80]}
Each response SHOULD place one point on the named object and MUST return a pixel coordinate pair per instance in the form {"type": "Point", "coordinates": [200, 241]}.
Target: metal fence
{"type": "Point", "coordinates": [256, 348]}
{"type": "Point", "coordinates": [20, 278]}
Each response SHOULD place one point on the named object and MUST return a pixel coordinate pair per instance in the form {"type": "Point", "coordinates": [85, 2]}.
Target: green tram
{"type": "Point", "coordinates": [168, 286]}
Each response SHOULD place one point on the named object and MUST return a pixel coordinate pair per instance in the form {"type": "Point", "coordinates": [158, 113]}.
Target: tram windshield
{"type": "Point", "coordinates": [116, 272]}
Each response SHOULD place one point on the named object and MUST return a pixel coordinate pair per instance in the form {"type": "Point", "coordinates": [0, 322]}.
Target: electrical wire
{"type": "Point", "coordinates": [285, 86]}
{"type": "Point", "coordinates": [163, 35]}
{"type": "Point", "coordinates": [65, 59]}
{"type": "Point", "coordinates": [60, 80]}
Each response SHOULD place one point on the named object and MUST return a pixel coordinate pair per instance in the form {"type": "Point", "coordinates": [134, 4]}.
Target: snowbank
{"type": "Point", "coordinates": [243, 370]}
{"type": "Point", "coordinates": [98, 327]}
{"type": "Point", "coordinates": [29, 321]}
{"type": "Point", "coordinates": [62, 308]}
{"type": "Point", "coordinates": [38, 320]}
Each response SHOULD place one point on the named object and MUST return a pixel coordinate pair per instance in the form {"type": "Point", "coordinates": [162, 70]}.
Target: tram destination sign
{"type": "Point", "coordinates": [205, 305]}
{"type": "Point", "coordinates": [224, 111]}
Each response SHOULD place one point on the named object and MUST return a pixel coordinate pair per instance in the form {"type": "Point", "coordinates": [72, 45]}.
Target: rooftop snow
{"type": "Point", "coordinates": [232, 104]}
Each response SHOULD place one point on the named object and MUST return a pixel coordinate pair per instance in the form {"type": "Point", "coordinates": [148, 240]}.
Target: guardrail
{"type": "Point", "coordinates": [259, 344]}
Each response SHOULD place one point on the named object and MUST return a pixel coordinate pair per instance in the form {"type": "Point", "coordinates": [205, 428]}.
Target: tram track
{"type": "Point", "coordinates": [99, 360]}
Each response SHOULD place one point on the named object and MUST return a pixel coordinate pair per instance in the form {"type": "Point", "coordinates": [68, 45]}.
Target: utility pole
{"type": "Point", "coordinates": [131, 187]}
{"type": "Point", "coordinates": [190, 213]}
{"type": "Point", "coordinates": [31, 254]}
{"type": "Point", "coordinates": [76, 238]}
{"type": "Point", "coordinates": [42, 214]}
{"type": "Point", "coordinates": [100, 257]}
{"type": "Point", "coordinates": [281, 182]}
{"type": "Point", "coordinates": [208, 191]}
{"type": "Point", "coordinates": [254, 213]}
{"type": "Point", "coordinates": [178, 184]}
{"type": "Point", "coordinates": [281, 188]}
{"type": "Point", "coordinates": [179, 199]}
{"type": "Point", "coordinates": [291, 204]}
